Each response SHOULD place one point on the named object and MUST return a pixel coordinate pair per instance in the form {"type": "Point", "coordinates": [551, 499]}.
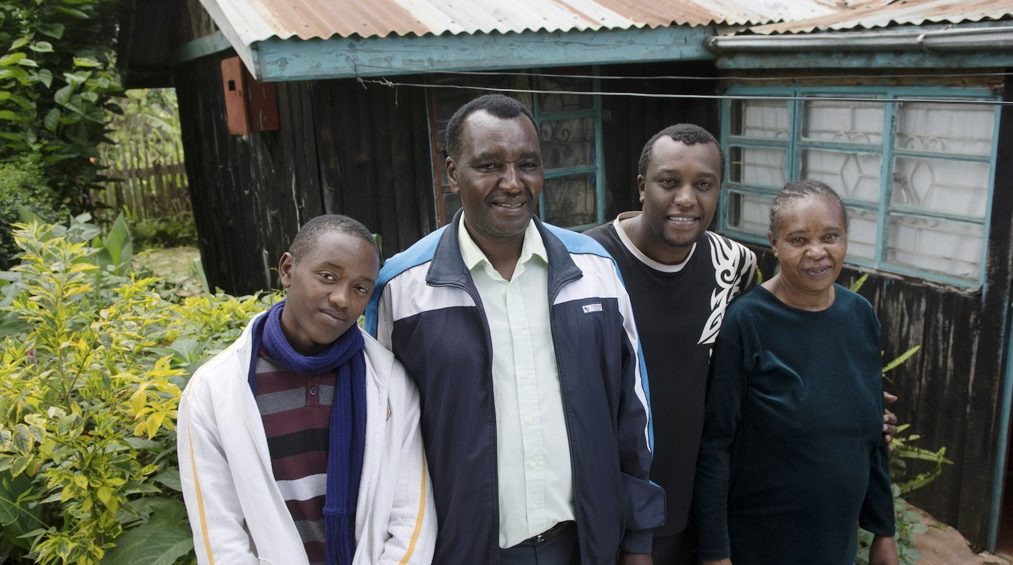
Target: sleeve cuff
{"type": "Point", "coordinates": [714, 554]}
{"type": "Point", "coordinates": [637, 541]}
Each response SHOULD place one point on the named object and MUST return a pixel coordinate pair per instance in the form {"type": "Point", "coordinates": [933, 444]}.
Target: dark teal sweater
{"type": "Point", "coordinates": [792, 458]}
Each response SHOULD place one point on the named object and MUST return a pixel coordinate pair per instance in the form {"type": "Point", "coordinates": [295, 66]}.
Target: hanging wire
{"type": "Point", "coordinates": [727, 77]}
{"type": "Point", "coordinates": [827, 98]}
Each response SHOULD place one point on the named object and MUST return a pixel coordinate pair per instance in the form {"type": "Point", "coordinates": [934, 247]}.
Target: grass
{"type": "Point", "coordinates": [178, 266]}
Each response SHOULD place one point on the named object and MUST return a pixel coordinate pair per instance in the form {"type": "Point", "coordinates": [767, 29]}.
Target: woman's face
{"type": "Point", "coordinates": [810, 245]}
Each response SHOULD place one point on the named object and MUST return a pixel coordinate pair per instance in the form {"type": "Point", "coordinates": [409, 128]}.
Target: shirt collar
{"type": "Point", "coordinates": [474, 256]}
{"type": "Point", "coordinates": [628, 243]}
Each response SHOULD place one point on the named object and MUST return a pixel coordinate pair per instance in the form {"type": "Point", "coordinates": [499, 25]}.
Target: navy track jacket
{"type": "Point", "coordinates": [427, 310]}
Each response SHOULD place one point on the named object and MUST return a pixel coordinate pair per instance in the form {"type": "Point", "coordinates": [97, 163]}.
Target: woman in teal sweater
{"type": "Point", "coordinates": [792, 458]}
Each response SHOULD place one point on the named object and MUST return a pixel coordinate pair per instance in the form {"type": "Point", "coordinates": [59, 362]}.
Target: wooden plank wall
{"type": "Point", "coordinates": [251, 193]}
{"type": "Point", "coordinates": [628, 122]}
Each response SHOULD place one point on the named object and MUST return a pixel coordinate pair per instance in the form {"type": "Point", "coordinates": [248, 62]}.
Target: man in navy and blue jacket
{"type": "Point", "coordinates": [521, 339]}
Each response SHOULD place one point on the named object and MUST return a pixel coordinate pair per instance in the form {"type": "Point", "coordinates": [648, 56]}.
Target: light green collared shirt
{"type": "Point", "coordinates": [532, 448]}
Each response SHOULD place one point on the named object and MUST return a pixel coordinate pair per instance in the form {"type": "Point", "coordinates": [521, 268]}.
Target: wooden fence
{"type": "Point", "coordinates": [145, 177]}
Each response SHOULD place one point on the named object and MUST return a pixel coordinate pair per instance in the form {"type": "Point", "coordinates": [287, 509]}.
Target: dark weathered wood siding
{"type": "Point", "coordinates": [365, 151]}
{"type": "Point", "coordinates": [341, 148]}
{"type": "Point", "coordinates": [628, 122]}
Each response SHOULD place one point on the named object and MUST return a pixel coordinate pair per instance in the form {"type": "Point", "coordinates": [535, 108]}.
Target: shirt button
{"type": "Point", "coordinates": [313, 391]}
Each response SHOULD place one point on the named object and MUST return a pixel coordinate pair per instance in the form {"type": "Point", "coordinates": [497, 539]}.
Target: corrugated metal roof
{"type": "Point", "coordinates": [257, 20]}
{"type": "Point", "coordinates": [884, 13]}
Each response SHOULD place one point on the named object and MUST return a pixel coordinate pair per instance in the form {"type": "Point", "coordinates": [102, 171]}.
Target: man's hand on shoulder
{"type": "Point", "coordinates": [635, 559]}
{"type": "Point", "coordinates": [889, 418]}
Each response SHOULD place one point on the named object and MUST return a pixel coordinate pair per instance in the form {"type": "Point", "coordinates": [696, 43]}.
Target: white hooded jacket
{"type": "Point", "coordinates": [236, 511]}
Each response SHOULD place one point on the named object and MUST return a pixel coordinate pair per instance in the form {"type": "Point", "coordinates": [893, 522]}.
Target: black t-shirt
{"type": "Point", "coordinates": [678, 316]}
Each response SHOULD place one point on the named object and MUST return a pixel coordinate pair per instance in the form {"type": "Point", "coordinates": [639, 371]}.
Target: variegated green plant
{"type": "Point", "coordinates": [91, 369]}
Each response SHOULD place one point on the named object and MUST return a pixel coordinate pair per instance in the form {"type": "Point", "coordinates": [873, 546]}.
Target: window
{"type": "Point", "coordinates": [914, 167]}
{"type": "Point", "coordinates": [570, 134]}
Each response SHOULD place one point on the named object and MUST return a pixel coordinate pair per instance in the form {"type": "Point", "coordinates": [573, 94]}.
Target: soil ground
{"type": "Point", "coordinates": [943, 545]}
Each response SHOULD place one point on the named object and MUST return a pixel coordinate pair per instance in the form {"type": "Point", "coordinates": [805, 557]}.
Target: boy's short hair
{"type": "Point", "coordinates": [311, 231]}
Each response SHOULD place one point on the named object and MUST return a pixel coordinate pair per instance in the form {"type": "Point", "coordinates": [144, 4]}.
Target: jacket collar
{"type": "Point", "coordinates": [448, 268]}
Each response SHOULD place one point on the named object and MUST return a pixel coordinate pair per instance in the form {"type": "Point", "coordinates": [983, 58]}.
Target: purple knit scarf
{"type": "Point", "coordinates": [347, 434]}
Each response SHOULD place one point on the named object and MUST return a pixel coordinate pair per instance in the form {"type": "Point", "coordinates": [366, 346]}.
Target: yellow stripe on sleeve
{"type": "Point", "coordinates": [200, 497]}
{"type": "Point", "coordinates": [421, 514]}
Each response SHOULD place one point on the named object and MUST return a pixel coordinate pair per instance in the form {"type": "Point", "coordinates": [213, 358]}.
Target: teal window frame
{"type": "Point", "coordinates": [794, 146]}
{"type": "Point", "coordinates": [597, 169]}
{"type": "Point", "coordinates": [443, 215]}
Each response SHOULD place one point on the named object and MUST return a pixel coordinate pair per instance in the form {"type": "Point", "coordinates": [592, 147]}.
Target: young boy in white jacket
{"type": "Point", "coordinates": [300, 442]}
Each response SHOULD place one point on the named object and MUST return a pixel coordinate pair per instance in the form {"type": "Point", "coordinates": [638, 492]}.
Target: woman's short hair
{"type": "Point", "coordinates": [799, 189]}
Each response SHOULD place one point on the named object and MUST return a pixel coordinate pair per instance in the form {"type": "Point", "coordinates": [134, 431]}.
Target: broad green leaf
{"type": "Point", "coordinates": [11, 58]}
{"type": "Point", "coordinates": [63, 95]}
{"type": "Point", "coordinates": [87, 63]}
{"type": "Point", "coordinates": [17, 514]}
{"type": "Point", "coordinates": [10, 116]}
{"type": "Point", "coordinates": [52, 119]}
{"type": "Point", "coordinates": [158, 542]}
{"type": "Point", "coordinates": [18, 43]}
{"type": "Point", "coordinates": [118, 243]}
{"type": "Point", "coordinates": [45, 76]}
{"type": "Point", "coordinates": [21, 101]}
{"type": "Point", "coordinates": [16, 73]}
{"type": "Point", "coordinates": [42, 47]}
{"type": "Point", "coordinates": [167, 509]}
{"type": "Point", "coordinates": [26, 62]}
{"type": "Point", "coordinates": [71, 12]}
{"type": "Point", "coordinates": [104, 494]}
{"type": "Point", "coordinates": [141, 443]}
{"type": "Point", "coordinates": [54, 30]}
{"type": "Point", "coordinates": [170, 478]}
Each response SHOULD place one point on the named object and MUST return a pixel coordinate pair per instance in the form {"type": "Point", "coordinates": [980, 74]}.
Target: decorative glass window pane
{"type": "Point", "coordinates": [567, 143]}
{"type": "Point", "coordinates": [559, 101]}
{"type": "Point", "coordinates": [935, 244]}
{"type": "Point", "coordinates": [963, 129]}
{"type": "Point", "coordinates": [941, 185]}
{"type": "Point", "coordinates": [757, 166]}
{"type": "Point", "coordinates": [862, 227]}
{"type": "Point", "coordinates": [844, 122]}
{"type": "Point", "coordinates": [570, 200]}
{"type": "Point", "coordinates": [749, 212]}
{"type": "Point", "coordinates": [855, 176]}
{"type": "Point", "coordinates": [764, 119]}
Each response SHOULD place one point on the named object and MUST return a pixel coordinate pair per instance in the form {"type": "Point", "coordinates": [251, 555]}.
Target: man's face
{"type": "Point", "coordinates": [498, 176]}
{"type": "Point", "coordinates": [679, 193]}
{"type": "Point", "coordinates": [327, 289]}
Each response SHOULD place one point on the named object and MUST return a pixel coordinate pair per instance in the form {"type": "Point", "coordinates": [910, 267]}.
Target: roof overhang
{"type": "Point", "coordinates": [952, 46]}
{"type": "Point", "coordinates": [340, 57]}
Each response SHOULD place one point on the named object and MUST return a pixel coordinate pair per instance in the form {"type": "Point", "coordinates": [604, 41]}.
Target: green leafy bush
{"type": "Point", "coordinates": [169, 231]}
{"type": "Point", "coordinates": [57, 83]}
{"type": "Point", "coordinates": [23, 190]}
{"type": "Point", "coordinates": [91, 370]}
